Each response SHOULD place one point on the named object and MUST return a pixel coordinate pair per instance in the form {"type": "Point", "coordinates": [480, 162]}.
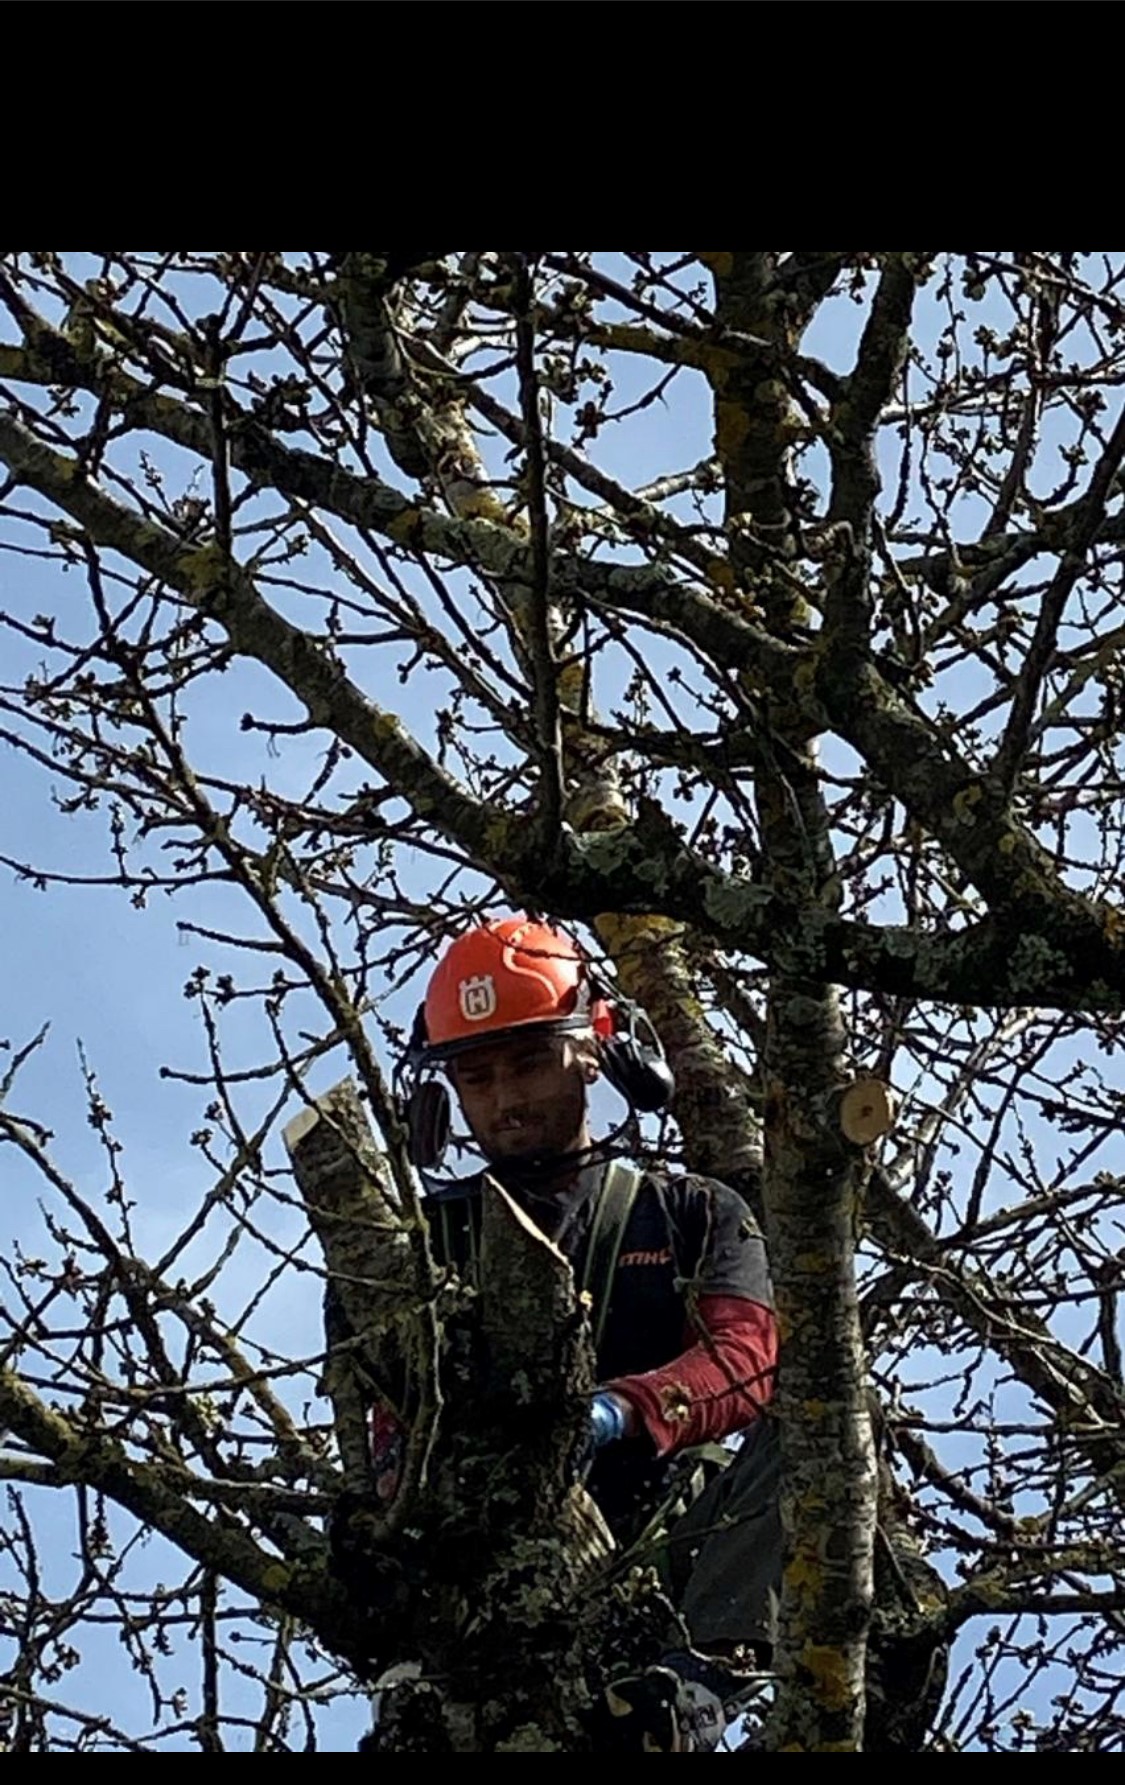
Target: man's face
{"type": "Point", "coordinates": [525, 1094]}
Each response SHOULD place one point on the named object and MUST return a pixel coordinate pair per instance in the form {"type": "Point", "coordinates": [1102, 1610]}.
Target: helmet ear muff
{"type": "Point", "coordinates": [428, 1121]}
{"type": "Point", "coordinates": [424, 1102]}
{"type": "Point", "coordinates": [640, 1073]}
{"type": "Point", "coordinates": [632, 1060]}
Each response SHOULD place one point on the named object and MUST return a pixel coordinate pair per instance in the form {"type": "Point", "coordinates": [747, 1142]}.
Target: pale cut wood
{"type": "Point", "coordinates": [867, 1111]}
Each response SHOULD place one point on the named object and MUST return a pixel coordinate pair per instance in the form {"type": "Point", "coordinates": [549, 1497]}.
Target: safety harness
{"type": "Point", "coordinates": [459, 1221]}
{"type": "Point", "coordinates": [618, 1192]}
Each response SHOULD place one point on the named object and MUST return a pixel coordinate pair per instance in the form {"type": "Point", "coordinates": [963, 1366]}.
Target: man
{"type": "Point", "coordinates": [686, 1339]}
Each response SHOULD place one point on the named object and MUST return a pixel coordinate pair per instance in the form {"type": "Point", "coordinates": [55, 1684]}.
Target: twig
{"type": "Point", "coordinates": [1083, 531]}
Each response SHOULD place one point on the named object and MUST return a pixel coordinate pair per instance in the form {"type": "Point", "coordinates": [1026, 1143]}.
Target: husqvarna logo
{"type": "Point", "coordinates": [478, 998]}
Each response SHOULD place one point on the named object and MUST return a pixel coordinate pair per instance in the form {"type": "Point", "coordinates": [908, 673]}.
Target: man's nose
{"type": "Point", "coordinates": [507, 1092]}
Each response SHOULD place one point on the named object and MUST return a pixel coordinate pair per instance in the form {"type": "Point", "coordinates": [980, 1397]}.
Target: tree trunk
{"type": "Point", "coordinates": [812, 1176]}
{"type": "Point", "coordinates": [484, 1583]}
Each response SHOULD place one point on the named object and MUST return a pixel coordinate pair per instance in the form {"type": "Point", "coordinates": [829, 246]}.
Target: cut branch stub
{"type": "Point", "coordinates": [344, 1183]}
{"type": "Point", "coordinates": [375, 1267]}
{"type": "Point", "coordinates": [866, 1111]}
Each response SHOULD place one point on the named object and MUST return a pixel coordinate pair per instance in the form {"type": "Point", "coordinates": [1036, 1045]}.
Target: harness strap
{"type": "Point", "coordinates": [460, 1236]}
{"type": "Point", "coordinates": [618, 1193]}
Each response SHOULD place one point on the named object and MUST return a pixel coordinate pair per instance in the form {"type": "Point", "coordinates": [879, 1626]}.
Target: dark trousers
{"type": "Point", "coordinates": [722, 1561]}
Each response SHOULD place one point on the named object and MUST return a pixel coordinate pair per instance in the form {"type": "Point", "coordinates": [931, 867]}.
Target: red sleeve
{"type": "Point", "coordinates": [718, 1386]}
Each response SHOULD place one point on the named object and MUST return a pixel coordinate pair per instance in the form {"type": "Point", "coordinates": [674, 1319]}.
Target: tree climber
{"type": "Point", "coordinates": [518, 1022]}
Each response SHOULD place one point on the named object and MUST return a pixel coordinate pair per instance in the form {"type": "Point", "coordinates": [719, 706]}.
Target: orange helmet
{"type": "Point", "coordinates": [510, 974]}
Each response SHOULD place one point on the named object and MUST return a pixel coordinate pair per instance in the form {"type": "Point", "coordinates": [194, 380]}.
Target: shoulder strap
{"type": "Point", "coordinates": [455, 1228]}
{"type": "Point", "coordinates": [455, 1231]}
{"type": "Point", "coordinates": [618, 1193]}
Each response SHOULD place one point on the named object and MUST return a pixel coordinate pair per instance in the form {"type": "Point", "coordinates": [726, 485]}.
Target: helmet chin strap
{"type": "Point", "coordinates": [519, 1168]}
{"type": "Point", "coordinates": [527, 1171]}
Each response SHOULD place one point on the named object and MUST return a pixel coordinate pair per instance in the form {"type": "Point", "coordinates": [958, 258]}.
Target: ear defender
{"type": "Point", "coordinates": [428, 1121]}
{"type": "Point", "coordinates": [641, 1074]}
{"type": "Point", "coordinates": [632, 1060]}
{"type": "Point", "coordinates": [425, 1108]}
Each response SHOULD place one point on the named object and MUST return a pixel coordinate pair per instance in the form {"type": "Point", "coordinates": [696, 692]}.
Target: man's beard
{"type": "Point", "coordinates": [538, 1136]}
{"type": "Point", "coordinates": [544, 1155]}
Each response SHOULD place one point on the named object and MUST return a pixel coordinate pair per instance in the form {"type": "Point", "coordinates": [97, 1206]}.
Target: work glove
{"type": "Point", "coordinates": [607, 1420]}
